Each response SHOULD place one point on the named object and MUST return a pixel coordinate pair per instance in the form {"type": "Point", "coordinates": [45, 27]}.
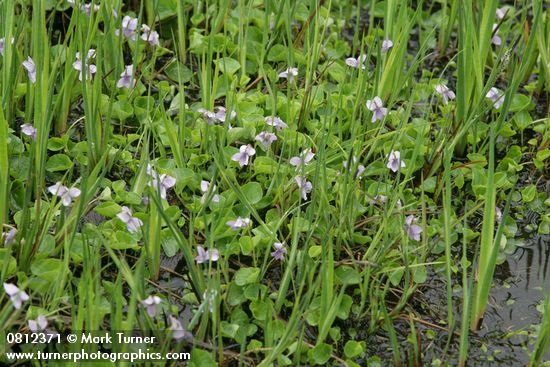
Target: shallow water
{"type": "Point", "coordinates": [520, 284]}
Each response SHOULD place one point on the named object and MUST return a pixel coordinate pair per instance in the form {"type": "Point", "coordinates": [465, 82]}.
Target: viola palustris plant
{"type": "Point", "coordinates": [277, 183]}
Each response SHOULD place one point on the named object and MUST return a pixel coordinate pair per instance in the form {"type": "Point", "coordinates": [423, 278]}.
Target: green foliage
{"type": "Point", "coordinates": [321, 240]}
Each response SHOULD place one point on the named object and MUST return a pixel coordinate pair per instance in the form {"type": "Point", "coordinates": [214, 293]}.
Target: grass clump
{"type": "Point", "coordinates": [269, 182]}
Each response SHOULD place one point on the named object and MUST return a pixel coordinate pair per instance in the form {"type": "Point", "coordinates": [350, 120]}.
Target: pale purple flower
{"type": "Point", "coordinates": [9, 237]}
{"type": "Point", "coordinates": [150, 303]}
{"type": "Point", "coordinates": [378, 200]}
{"type": "Point", "coordinates": [126, 78]}
{"type": "Point", "coordinates": [132, 223]}
{"type": "Point", "coordinates": [219, 115]}
{"type": "Point", "coordinates": [360, 171]}
{"type": "Point", "coordinates": [151, 171]}
{"type": "Point", "coordinates": [129, 26]}
{"type": "Point", "coordinates": [67, 195]}
{"type": "Point", "coordinates": [245, 152]}
{"type": "Point", "coordinates": [498, 214]}
{"type": "Point", "coordinates": [357, 62]}
{"type": "Point", "coordinates": [87, 8]}
{"type": "Point", "coordinates": [289, 74]}
{"type": "Point", "coordinates": [276, 122]}
{"type": "Point", "coordinates": [161, 183]}
{"type": "Point", "coordinates": [394, 161]}
{"type": "Point", "coordinates": [29, 130]}
{"type": "Point", "coordinates": [386, 45]}
{"type": "Point", "coordinates": [16, 295]}
{"type": "Point", "coordinates": [445, 93]}
{"type": "Point", "coordinates": [304, 185]}
{"type": "Point", "coordinates": [38, 325]}
{"type": "Point", "coordinates": [239, 223]}
{"type": "Point", "coordinates": [271, 21]}
{"type": "Point", "coordinates": [89, 55]}
{"type": "Point", "coordinates": [206, 255]}
{"type": "Point", "coordinates": [178, 331]}
{"type": "Point", "coordinates": [382, 199]}
{"type": "Point", "coordinates": [85, 66]}
{"type": "Point", "coordinates": [266, 138]}
{"type": "Point", "coordinates": [150, 36]}
{"type": "Point", "coordinates": [209, 116]}
{"type": "Point", "coordinates": [31, 69]}
{"type": "Point", "coordinates": [304, 159]}
{"type": "Point", "coordinates": [360, 168]}
{"type": "Point", "coordinates": [3, 43]}
{"type": "Point", "coordinates": [496, 40]}
{"type": "Point", "coordinates": [496, 97]}
{"type": "Point", "coordinates": [205, 185]}
{"type": "Point", "coordinates": [209, 298]}
{"type": "Point", "coordinates": [280, 251]}
{"type": "Point", "coordinates": [501, 13]}
{"type": "Point", "coordinates": [377, 108]}
{"type": "Point", "coordinates": [413, 230]}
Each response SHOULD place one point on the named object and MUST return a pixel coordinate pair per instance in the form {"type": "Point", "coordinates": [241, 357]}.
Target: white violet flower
{"type": "Point", "coordinates": [304, 159]}
{"type": "Point", "coordinates": [413, 230]}
{"type": "Point", "coordinates": [386, 45]}
{"type": "Point", "coordinates": [81, 66]}
{"type": "Point", "coordinates": [280, 251]}
{"type": "Point", "coordinates": [357, 62]}
{"type": "Point", "coordinates": [496, 97]}
{"type": "Point", "coordinates": [206, 255]}
{"type": "Point", "coordinates": [289, 74]}
{"type": "Point", "coordinates": [205, 186]}
{"type": "Point", "coordinates": [38, 325]}
{"type": "Point", "coordinates": [496, 40]}
{"type": "Point", "coordinates": [276, 122]}
{"type": "Point", "coordinates": [239, 223]}
{"type": "Point", "coordinates": [304, 185]}
{"type": "Point", "coordinates": [31, 69]}
{"type": "Point", "coordinates": [129, 26]}
{"type": "Point", "coordinates": [378, 111]}
{"type": "Point", "coordinates": [445, 93]}
{"type": "Point", "coordinates": [501, 13]}
{"type": "Point", "coordinates": [178, 331]}
{"type": "Point", "coordinates": [3, 43]}
{"type": "Point", "coordinates": [245, 152]}
{"type": "Point", "coordinates": [17, 296]}
{"type": "Point", "coordinates": [127, 78]}
{"type": "Point", "coordinates": [150, 36]}
{"type": "Point", "coordinates": [266, 138]}
{"type": "Point", "coordinates": [9, 237]}
{"type": "Point", "coordinates": [29, 130]}
{"type": "Point", "coordinates": [394, 161]}
{"type": "Point", "coordinates": [132, 223]}
{"type": "Point", "coordinates": [67, 195]}
{"type": "Point", "coordinates": [150, 303]}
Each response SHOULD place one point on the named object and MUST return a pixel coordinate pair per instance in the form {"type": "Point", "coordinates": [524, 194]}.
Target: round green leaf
{"type": "Point", "coordinates": [58, 162]}
{"type": "Point", "coordinates": [253, 192]}
{"type": "Point", "coordinates": [353, 349]}
{"type": "Point", "coordinates": [347, 275]}
{"type": "Point", "coordinates": [246, 276]}
{"type": "Point", "coordinates": [108, 209]}
{"type": "Point", "coordinates": [320, 354]}
{"type": "Point", "coordinates": [228, 65]}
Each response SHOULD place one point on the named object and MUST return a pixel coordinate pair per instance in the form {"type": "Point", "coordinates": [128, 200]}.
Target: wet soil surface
{"type": "Point", "coordinates": [506, 335]}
